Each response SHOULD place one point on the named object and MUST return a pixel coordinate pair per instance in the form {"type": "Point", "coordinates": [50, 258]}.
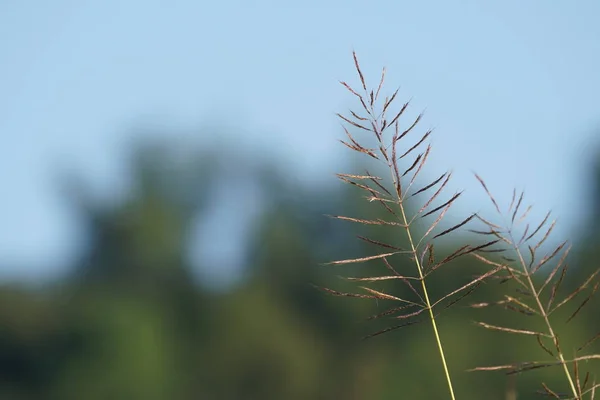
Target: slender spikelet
{"type": "Point", "coordinates": [540, 297]}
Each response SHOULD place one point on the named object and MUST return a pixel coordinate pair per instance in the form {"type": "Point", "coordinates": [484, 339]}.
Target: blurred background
{"type": "Point", "coordinates": [167, 168]}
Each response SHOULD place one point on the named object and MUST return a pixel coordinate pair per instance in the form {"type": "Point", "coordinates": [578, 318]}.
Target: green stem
{"type": "Point", "coordinates": [428, 302]}
{"type": "Point", "coordinates": [548, 325]}
{"type": "Point", "coordinates": [438, 340]}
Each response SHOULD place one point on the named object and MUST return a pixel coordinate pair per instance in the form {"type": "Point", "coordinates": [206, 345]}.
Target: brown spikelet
{"type": "Point", "coordinates": [355, 115]}
{"type": "Point", "coordinates": [367, 221]}
{"type": "Point", "coordinates": [355, 124]}
{"type": "Point", "coordinates": [351, 90]}
{"type": "Point", "coordinates": [543, 346]}
{"type": "Point", "coordinates": [398, 115]}
{"type": "Point", "coordinates": [362, 78]}
{"type": "Point", "coordinates": [549, 392]}
{"type": "Point", "coordinates": [589, 342]}
{"type": "Point", "coordinates": [389, 101]}
{"type": "Point", "coordinates": [512, 330]}
{"type": "Point", "coordinates": [455, 227]}
{"type": "Point", "coordinates": [360, 259]}
{"type": "Point", "coordinates": [378, 243]}
{"type": "Point", "coordinates": [421, 164]}
{"type": "Point", "coordinates": [423, 138]}
{"type": "Point", "coordinates": [393, 328]}
{"type": "Point", "coordinates": [414, 164]}
{"type": "Point", "coordinates": [446, 204]}
{"type": "Point", "coordinates": [539, 227]}
{"type": "Point", "coordinates": [437, 221]}
{"type": "Point", "coordinates": [512, 200]}
{"type": "Point", "coordinates": [390, 312]}
{"type": "Point", "coordinates": [379, 278]}
{"type": "Point", "coordinates": [437, 193]}
{"type": "Point", "coordinates": [380, 83]}
{"type": "Point", "coordinates": [432, 184]}
{"type": "Point", "coordinates": [488, 192]}
{"type": "Point", "coordinates": [529, 208]}
{"type": "Point", "coordinates": [586, 380]}
{"type": "Point", "coordinates": [517, 207]}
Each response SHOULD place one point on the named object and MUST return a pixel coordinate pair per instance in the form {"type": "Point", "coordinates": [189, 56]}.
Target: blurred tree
{"type": "Point", "coordinates": [133, 294]}
{"type": "Point", "coordinates": [131, 321]}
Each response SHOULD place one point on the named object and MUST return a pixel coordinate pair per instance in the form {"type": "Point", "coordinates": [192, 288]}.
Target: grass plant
{"type": "Point", "coordinates": [510, 253]}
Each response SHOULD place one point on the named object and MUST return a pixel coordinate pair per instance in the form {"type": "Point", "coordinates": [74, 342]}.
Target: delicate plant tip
{"type": "Point", "coordinates": [380, 84]}
{"type": "Point", "coordinates": [357, 116]}
{"type": "Point", "coordinates": [355, 124]}
{"type": "Point", "coordinates": [512, 200]}
{"type": "Point", "coordinates": [589, 342]}
{"type": "Point", "coordinates": [362, 78]}
{"type": "Point", "coordinates": [517, 207]}
{"type": "Point", "coordinates": [350, 89]}
{"type": "Point", "coordinates": [510, 330]}
{"type": "Point", "coordinates": [389, 101]}
{"type": "Point", "coordinates": [549, 392]}
{"type": "Point", "coordinates": [488, 193]}
{"type": "Point", "coordinates": [362, 259]}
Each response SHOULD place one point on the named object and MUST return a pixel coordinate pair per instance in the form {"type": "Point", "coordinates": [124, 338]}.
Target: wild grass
{"type": "Point", "coordinates": [508, 253]}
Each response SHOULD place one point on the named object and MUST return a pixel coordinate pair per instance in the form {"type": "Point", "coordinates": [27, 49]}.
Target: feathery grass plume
{"type": "Point", "coordinates": [404, 153]}
{"type": "Point", "coordinates": [536, 295]}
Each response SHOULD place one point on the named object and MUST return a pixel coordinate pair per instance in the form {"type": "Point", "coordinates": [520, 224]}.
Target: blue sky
{"type": "Point", "coordinates": [511, 88]}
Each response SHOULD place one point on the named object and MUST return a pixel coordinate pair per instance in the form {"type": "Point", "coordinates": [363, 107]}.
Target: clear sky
{"type": "Point", "coordinates": [511, 87]}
